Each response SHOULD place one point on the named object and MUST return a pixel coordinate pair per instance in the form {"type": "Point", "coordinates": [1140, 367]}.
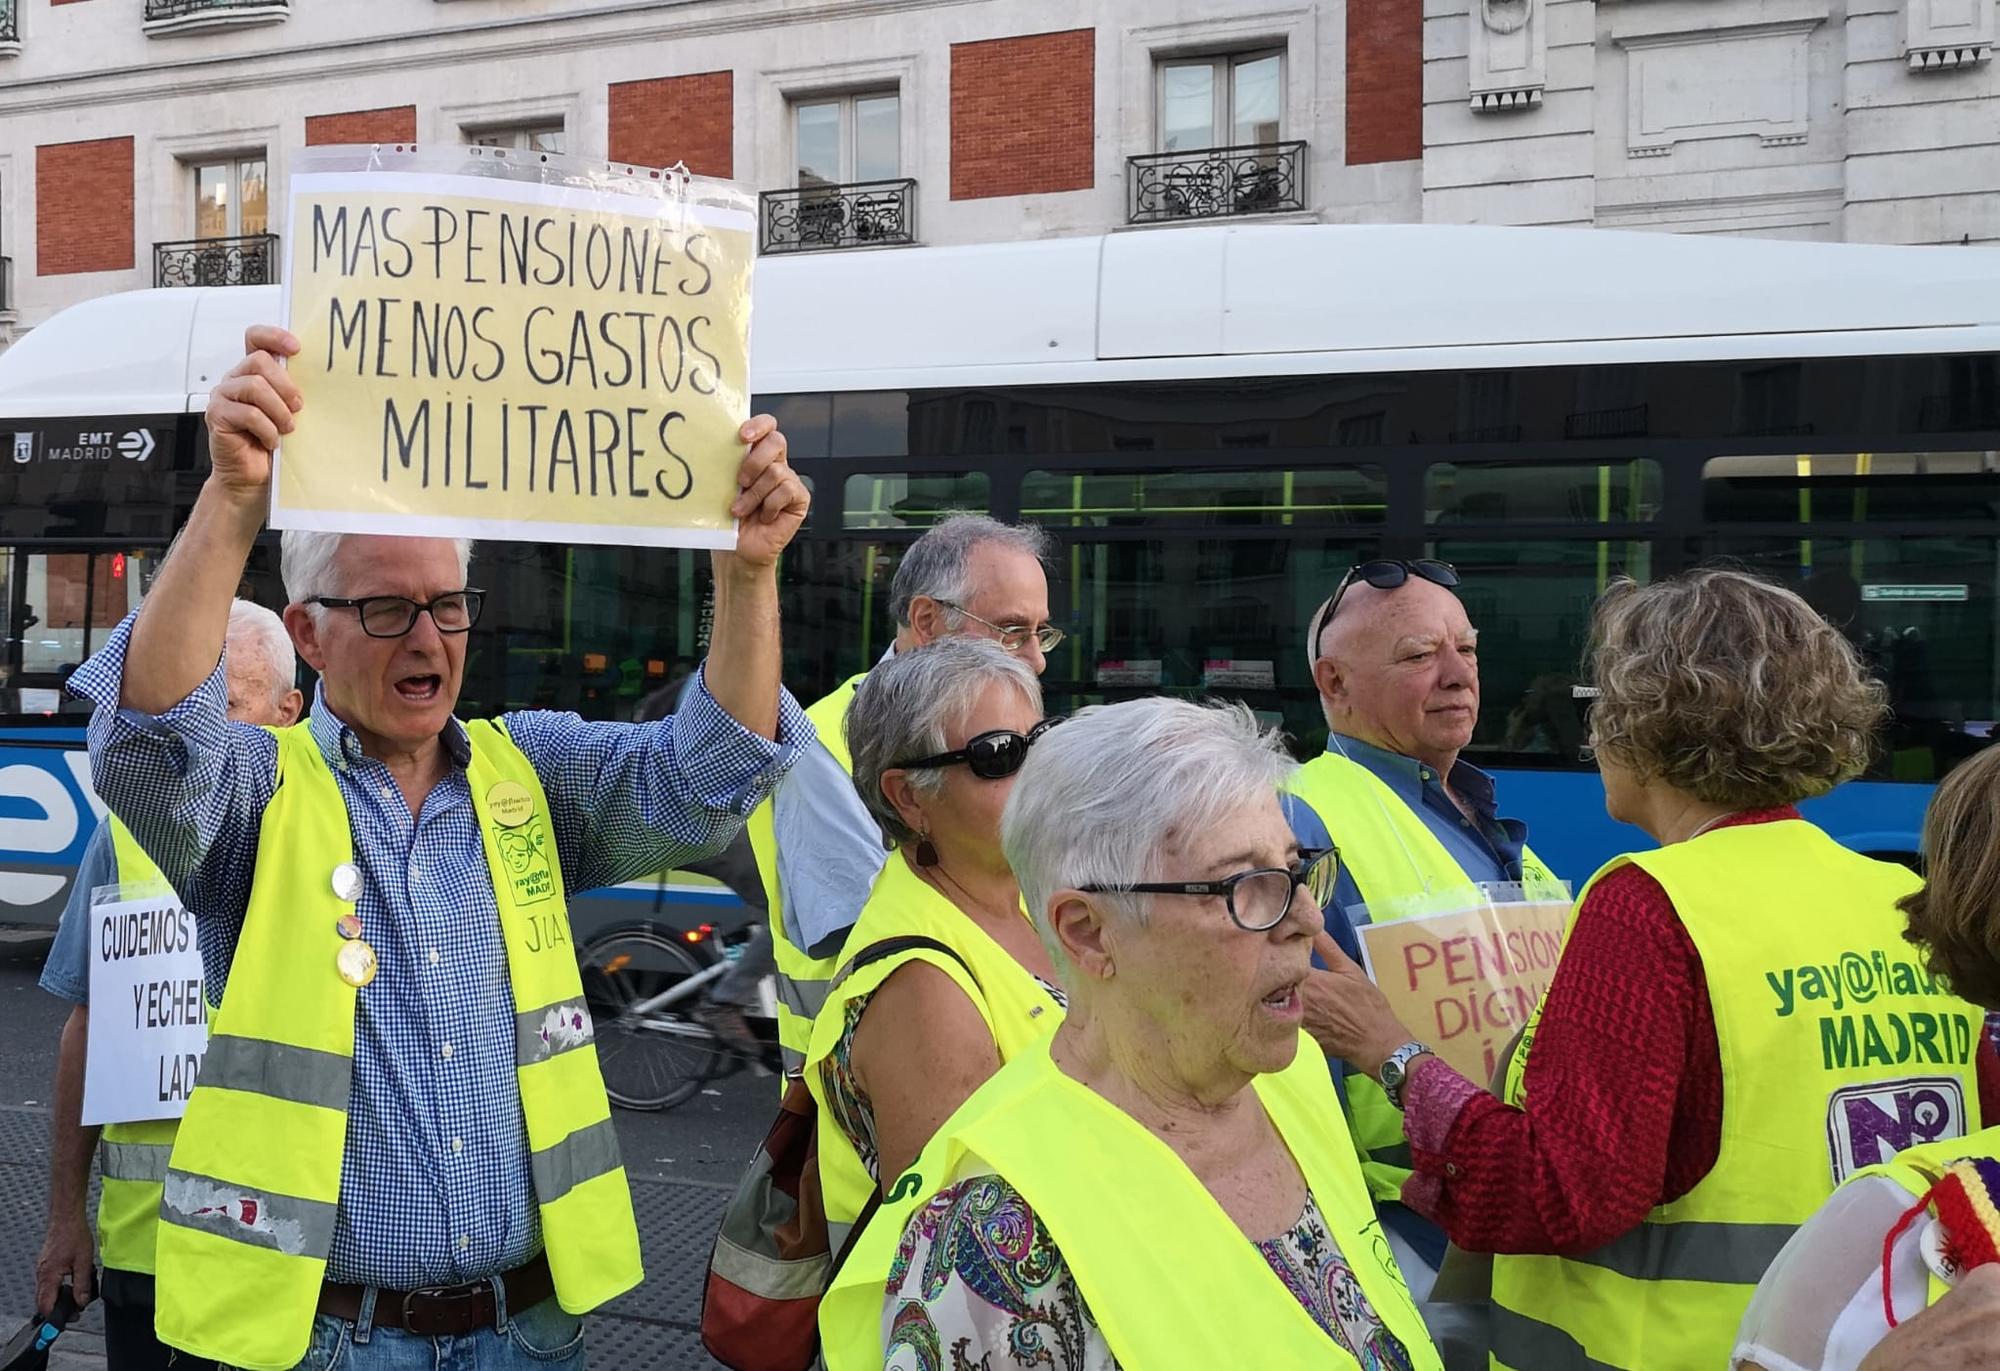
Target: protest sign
{"type": "Point", "coordinates": [562, 358]}
{"type": "Point", "coordinates": [1465, 980]}
{"type": "Point", "coordinates": [148, 1019]}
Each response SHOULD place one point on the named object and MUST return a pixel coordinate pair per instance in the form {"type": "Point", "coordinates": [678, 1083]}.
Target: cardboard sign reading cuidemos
{"type": "Point", "coordinates": [148, 1016]}
{"type": "Point", "coordinates": [518, 346]}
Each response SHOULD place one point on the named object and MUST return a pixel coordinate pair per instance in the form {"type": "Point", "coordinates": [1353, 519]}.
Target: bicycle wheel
{"type": "Point", "coordinates": [655, 1058]}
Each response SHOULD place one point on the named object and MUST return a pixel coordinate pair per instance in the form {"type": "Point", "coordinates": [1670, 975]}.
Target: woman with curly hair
{"type": "Point", "coordinates": [1735, 1025]}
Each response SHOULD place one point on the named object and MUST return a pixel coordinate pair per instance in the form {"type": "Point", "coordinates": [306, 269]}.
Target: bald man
{"type": "Point", "coordinates": [1396, 664]}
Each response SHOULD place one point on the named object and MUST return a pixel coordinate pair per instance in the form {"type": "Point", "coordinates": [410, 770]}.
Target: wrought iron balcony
{"type": "Point", "coordinates": [860, 215]}
{"type": "Point", "coordinates": [183, 16]}
{"type": "Point", "coordinates": [250, 259]}
{"type": "Point", "coordinates": [10, 28]}
{"type": "Point", "coordinates": [1211, 183]}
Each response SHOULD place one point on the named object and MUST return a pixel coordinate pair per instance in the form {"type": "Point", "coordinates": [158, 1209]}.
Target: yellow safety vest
{"type": "Point", "coordinates": [1392, 855]}
{"type": "Point", "coordinates": [1916, 1168]}
{"type": "Point", "coordinates": [248, 1213]}
{"type": "Point", "coordinates": [802, 978]}
{"type": "Point", "coordinates": [1016, 1008]}
{"type": "Point", "coordinates": [1829, 1027]}
{"type": "Point", "coordinates": [132, 1157]}
{"type": "Point", "coordinates": [1169, 1277]}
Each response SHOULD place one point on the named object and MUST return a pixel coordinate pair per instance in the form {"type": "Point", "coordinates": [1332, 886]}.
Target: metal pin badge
{"type": "Point", "coordinates": [348, 926]}
{"type": "Point", "coordinates": [347, 881]}
{"type": "Point", "coordinates": [356, 962]}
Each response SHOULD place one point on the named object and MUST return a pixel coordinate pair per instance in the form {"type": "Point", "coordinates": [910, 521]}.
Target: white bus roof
{"type": "Point", "coordinates": [1183, 302]}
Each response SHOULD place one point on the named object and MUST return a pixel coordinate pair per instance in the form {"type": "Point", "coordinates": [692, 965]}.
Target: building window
{"type": "Point", "coordinates": [844, 139]}
{"type": "Point", "coordinates": [1218, 102]}
{"type": "Point", "coordinates": [230, 198]}
{"type": "Point", "coordinates": [521, 138]}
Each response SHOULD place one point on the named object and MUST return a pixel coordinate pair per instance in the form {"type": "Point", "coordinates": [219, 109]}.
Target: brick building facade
{"type": "Point", "coordinates": [130, 131]}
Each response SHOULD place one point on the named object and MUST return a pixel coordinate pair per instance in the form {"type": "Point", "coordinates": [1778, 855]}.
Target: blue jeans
{"type": "Point", "coordinates": [534, 1338]}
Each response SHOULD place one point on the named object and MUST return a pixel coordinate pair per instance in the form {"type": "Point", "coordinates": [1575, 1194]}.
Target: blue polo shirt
{"type": "Point", "coordinates": [1485, 845]}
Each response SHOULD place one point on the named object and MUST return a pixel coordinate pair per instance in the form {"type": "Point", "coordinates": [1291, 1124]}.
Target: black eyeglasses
{"type": "Point", "coordinates": [993, 756]}
{"type": "Point", "coordinates": [391, 616]}
{"type": "Point", "coordinates": [1384, 573]}
{"type": "Point", "coordinates": [1257, 900]}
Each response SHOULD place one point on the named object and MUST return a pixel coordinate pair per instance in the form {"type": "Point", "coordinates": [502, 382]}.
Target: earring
{"type": "Point", "coordinates": [927, 853]}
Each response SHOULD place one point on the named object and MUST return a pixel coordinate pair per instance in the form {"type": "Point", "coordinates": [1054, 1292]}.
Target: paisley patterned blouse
{"type": "Point", "coordinates": [977, 1285]}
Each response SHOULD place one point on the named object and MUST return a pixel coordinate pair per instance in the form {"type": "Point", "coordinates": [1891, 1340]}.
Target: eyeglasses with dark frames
{"type": "Point", "coordinates": [993, 755]}
{"type": "Point", "coordinates": [1384, 573]}
{"type": "Point", "coordinates": [392, 616]}
{"type": "Point", "coordinates": [1257, 900]}
{"type": "Point", "coordinates": [1014, 637]}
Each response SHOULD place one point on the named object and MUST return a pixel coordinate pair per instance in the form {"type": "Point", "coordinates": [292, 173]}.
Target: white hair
{"type": "Point", "coordinates": [938, 565]}
{"type": "Point", "coordinates": [257, 631]}
{"type": "Point", "coordinates": [1105, 797]}
{"type": "Point", "coordinates": [306, 560]}
{"type": "Point", "coordinates": [904, 708]}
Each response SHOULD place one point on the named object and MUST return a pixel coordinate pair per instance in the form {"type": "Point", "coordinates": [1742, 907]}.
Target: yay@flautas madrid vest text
{"type": "Point", "coordinates": [1831, 1033]}
{"type": "Point", "coordinates": [1171, 1280]}
{"type": "Point", "coordinates": [1392, 855]}
{"type": "Point", "coordinates": [802, 978]}
{"type": "Point", "coordinates": [132, 1156]}
{"type": "Point", "coordinates": [1016, 1008]}
{"type": "Point", "coordinates": [248, 1214]}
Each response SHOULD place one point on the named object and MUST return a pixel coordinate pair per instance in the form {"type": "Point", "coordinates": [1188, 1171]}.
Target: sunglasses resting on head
{"type": "Point", "coordinates": [1384, 573]}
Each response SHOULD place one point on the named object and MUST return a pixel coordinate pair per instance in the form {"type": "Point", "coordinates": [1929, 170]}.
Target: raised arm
{"type": "Point", "coordinates": [179, 634]}
{"type": "Point", "coordinates": [743, 659]}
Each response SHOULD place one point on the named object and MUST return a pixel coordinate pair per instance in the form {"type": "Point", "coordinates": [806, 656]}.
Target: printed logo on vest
{"type": "Point", "coordinates": [1867, 1125]}
{"type": "Point", "coordinates": [510, 804]}
{"type": "Point", "coordinates": [524, 851]}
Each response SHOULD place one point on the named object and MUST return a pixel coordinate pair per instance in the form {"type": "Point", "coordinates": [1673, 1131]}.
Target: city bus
{"type": "Point", "coordinates": [1214, 423]}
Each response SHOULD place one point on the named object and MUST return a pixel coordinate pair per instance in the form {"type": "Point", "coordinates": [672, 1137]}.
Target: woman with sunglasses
{"type": "Point", "coordinates": [1166, 1183]}
{"type": "Point", "coordinates": [942, 978]}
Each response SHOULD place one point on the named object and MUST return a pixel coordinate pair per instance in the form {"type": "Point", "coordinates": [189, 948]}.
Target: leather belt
{"type": "Point", "coordinates": [448, 1311]}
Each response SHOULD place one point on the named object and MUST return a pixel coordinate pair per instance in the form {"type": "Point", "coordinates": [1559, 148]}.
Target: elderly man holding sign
{"type": "Point", "coordinates": [402, 1140]}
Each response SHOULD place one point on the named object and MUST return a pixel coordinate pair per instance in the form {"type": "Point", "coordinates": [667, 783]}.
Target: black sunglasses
{"type": "Point", "coordinates": [993, 756]}
{"type": "Point", "coordinates": [1257, 900]}
{"type": "Point", "coordinates": [1384, 573]}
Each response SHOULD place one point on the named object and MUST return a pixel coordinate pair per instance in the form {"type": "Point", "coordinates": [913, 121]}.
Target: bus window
{"type": "Point", "coordinates": [1625, 491]}
{"type": "Point", "coordinates": [1852, 487]}
{"type": "Point", "coordinates": [1531, 600]}
{"type": "Point", "coordinates": [593, 629]}
{"type": "Point", "coordinates": [1922, 611]}
{"type": "Point", "coordinates": [56, 608]}
{"type": "Point", "coordinates": [903, 501]}
{"type": "Point", "coordinates": [1205, 498]}
{"type": "Point", "coordinates": [1194, 616]}
{"type": "Point", "coordinates": [834, 597]}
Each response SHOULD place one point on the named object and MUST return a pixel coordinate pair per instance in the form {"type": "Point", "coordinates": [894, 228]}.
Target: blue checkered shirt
{"type": "Point", "coordinates": [435, 1186]}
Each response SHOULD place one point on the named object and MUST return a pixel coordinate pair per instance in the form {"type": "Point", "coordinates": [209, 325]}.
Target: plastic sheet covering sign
{"type": "Point", "coordinates": [507, 345]}
{"type": "Point", "coordinates": [148, 1017]}
{"type": "Point", "coordinates": [1465, 968]}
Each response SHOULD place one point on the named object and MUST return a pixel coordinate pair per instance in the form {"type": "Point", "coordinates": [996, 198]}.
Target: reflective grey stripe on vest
{"type": "Point", "coordinates": [804, 998]}
{"type": "Point", "coordinates": [584, 1155]}
{"type": "Point", "coordinates": [303, 1075]}
{"type": "Point", "coordinates": [552, 1030]}
{"type": "Point", "coordinates": [1526, 1344]}
{"type": "Point", "coordinates": [281, 1223]}
{"type": "Point", "coordinates": [123, 1161]}
{"type": "Point", "coordinates": [1718, 1253]}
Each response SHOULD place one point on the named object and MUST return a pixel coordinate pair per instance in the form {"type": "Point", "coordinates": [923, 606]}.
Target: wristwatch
{"type": "Point", "coordinates": [1396, 1071]}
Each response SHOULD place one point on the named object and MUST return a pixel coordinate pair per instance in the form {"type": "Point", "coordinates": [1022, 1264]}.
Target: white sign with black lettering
{"type": "Point", "coordinates": [148, 1019]}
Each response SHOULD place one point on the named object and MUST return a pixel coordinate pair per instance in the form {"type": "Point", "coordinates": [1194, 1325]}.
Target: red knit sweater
{"type": "Point", "coordinates": [1626, 1083]}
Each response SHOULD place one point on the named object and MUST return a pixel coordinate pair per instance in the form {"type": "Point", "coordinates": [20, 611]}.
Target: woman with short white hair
{"type": "Point", "coordinates": [1167, 1182]}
